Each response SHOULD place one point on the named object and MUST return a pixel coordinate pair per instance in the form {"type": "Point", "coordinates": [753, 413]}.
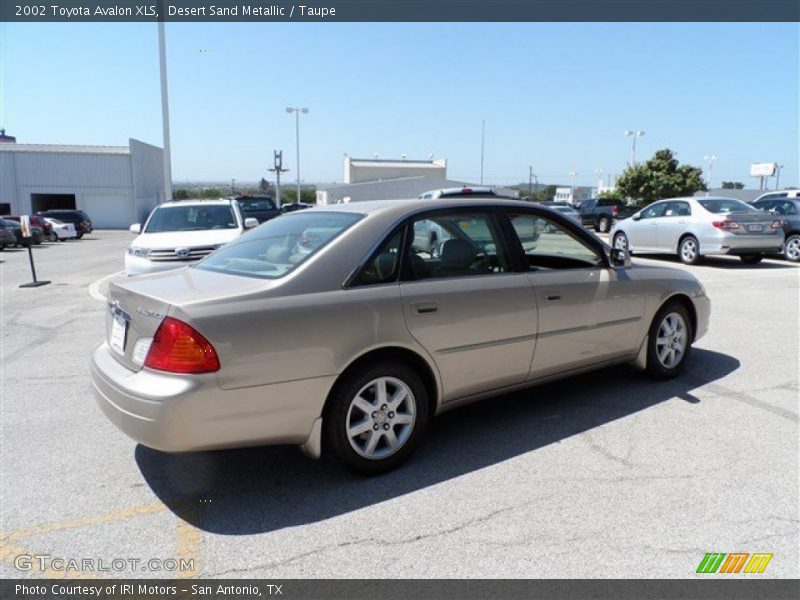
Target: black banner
{"type": "Point", "coordinates": [399, 10]}
{"type": "Point", "coordinates": [712, 588]}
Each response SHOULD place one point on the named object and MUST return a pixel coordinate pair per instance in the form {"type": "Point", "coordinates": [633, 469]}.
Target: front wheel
{"type": "Point", "coordinates": [689, 250]}
{"type": "Point", "coordinates": [376, 417]}
{"type": "Point", "coordinates": [669, 341]}
{"type": "Point", "coordinates": [791, 249]}
{"type": "Point", "coordinates": [751, 259]}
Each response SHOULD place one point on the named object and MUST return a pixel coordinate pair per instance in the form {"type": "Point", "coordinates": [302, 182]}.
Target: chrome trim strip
{"type": "Point", "coordinates": [514, 340]}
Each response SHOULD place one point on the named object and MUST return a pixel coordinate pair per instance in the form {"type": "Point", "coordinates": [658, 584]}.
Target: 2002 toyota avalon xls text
{"type": "Point", "coordinates": [326, 328]}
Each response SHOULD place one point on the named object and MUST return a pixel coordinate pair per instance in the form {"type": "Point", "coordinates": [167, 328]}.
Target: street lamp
{"type": "Point", "coordinates": [167, 163]}
{"type": "Point", "coordinates": [297, 111]}
{"type": "Point", "coordinates": [635, 134]}
{"type": "Point", "coordinates": [710, 158]}
{"type": "Point", "coordinates": [778, 176]}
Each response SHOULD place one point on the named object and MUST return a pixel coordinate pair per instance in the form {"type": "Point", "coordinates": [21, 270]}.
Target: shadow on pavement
{"type": "Point", "coordinates": [237, 492]}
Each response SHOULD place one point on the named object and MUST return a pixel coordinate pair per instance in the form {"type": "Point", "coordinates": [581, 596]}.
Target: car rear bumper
{"type": "Point", "coordinates": [179, 413]}
{"type": "Point", "coordinates": [737, 244]}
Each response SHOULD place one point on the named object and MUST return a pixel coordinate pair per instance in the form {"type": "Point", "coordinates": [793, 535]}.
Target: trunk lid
{"type": "Point", "coordinates": [750, 223]}
{"type": "Point", "coordinates": [137, 305]}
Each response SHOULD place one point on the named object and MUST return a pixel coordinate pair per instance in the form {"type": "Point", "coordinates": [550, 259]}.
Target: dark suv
{"type": "Point", "coordinates": [82, 222]}
{"type": "Point", "coordinates": [262, 208]}
{"type": "Point", "coordinates": [601, 213]}
{"type": "Point", "coordinates": [788, 210]}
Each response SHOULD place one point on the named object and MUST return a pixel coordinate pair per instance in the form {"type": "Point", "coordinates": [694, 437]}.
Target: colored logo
{"type": "Point", "coordinates": [734, 562]}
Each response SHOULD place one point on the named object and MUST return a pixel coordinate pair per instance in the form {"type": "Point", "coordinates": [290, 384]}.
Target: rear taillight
{"type": "Point", "coordinates": [776, 225]}
{"type": "Point", "coordinates": [726, 225]}
{"type": "Point", "coordinates": [179, 348]}
{"type": "Point", "coordinates": [615, 210]}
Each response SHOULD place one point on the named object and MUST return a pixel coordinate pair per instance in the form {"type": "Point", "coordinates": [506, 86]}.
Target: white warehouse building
{"type": "Point", "coordinates": [114, 185]}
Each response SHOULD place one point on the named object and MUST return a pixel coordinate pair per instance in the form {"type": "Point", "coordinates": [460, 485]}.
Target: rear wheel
{"type": "Point", "coordinates": [791, 249]}
{"type": "Point", "coordinates": [621, 241]}
{"type": "Point", "coordinates": [751, 259]}
{"type": "Point", "coordinates": [376, 417]}
{"type": "Point", "coordinates": [604, 224]}
{"type": "Point", "coordinates": [53, 236]}
{"type": "Point", "coordinates": [689, 250]}
{"type": "Point", "coordinates": [669, 341]}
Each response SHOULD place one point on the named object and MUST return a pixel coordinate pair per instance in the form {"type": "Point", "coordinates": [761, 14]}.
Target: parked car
{"type": "Point", "coordinates": [462, 192]}
{"type": "Point", "coordinates": [353, 346]}
{"type": "Point", "coordinates": [36, 221]}
{"type": "Point", "coordinates": [568, 212]}
{"type": "Point", "coordinates": [7, 236]}
{"type": "Point", "coordinates": [293, 206]}
{"type": "Point", "coordinates": [774, 195]}
{"type": "Point", "coordinates": [81, 221]}
{"type": "Point", "coordinates": [700, 226]}
{"type": "Point", "coordinates": [787, 209]}
{"type": "Point", "coordinates": [61, 231]}
{"type": "Point", "coordinates": [179, 233]}
{"type": "Point", "coordinates": [602, 213]}
{"type": "Point", "coordinates": [262, 208]}
{"type": "Point", "coordinates": [37, 235]}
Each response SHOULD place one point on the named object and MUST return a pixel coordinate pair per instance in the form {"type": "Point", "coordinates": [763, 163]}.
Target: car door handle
{"type": "Point", "coordinates": [553, 296]}
{"type": "Point", "coordinates": [424, 308]}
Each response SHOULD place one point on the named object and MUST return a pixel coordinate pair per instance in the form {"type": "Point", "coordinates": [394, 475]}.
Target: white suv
{"type": "Point", "coordinates": [180, 233]}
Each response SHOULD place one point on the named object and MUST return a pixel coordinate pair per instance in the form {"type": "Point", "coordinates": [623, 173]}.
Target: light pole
{"type": "Point", "coordinates": [162, 56]}
{"type": "Point", "coordinates": [572, 174]}
{"type": "Point", "coordinates": [710, 158]}
{"type": "Point", "coordinates": [635, 134]}
{"type": "Point", "coordinates": [530, 184]}
{"type": "Point", "coordinates": [778, 168]}
{"type": "Point", "coordinates": [599, 173]}
{"type": "Point", "coordinates": [297, 111]}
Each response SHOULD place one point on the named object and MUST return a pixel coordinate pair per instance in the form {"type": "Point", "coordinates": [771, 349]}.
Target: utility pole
{"type": "Point", "coordinates": [483, 143]}
{"type": "Point", "coordinates": [233, 187]}
{"type": "Point", "coordinates": [278, 169]}
{"type": "Point", "coordinates": [778, 176]}
{"type": "Point", "coordinates": [530, 183]}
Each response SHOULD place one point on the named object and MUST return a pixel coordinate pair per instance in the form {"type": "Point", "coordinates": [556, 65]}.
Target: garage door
{"type": "Point", "coordinates": [107, 211]}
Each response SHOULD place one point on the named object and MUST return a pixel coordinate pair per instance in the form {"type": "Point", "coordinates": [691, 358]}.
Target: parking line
{"type": "Point", "coordinates": [188, 546]}
{"type": "Point", "coordinates": [114, 515]}
{"type": "Point", "coordinates": [94, 287]}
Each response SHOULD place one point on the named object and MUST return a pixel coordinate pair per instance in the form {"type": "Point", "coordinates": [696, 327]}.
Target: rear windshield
{"type": "Point", "coordinates": [191, 218]}
{"type": "Point", "coordinates": [280, 245]}
{"type": "Point", "coordinates": [251, 204]}
{"type": "Point", "coordinates": [723, 206]}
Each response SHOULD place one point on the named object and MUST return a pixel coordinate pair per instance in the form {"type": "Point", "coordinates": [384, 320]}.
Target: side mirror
{"type": "Point", "coordinates": [620, 258]}
{"type": "Point", "coordinates": [636, 216]}
{"type": "Point", "coordinates": [250, 222]}
{"type": "Point", "coordinates": [135, 228]}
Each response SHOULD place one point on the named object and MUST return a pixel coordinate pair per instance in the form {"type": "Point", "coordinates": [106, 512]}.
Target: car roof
{"type": "Point", "coordinates": [201, 202]}
{"type": "Point", "coordinates": [412, 205]}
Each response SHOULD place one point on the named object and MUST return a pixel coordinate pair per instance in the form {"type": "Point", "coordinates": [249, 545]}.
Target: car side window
{"type": "Point", "coordinates": [384, 264]}
{"type": "Point", "coordinates": [548, 245]}
{"type": "Point", "coordinates": [456, 244]}
{"type": "Point", "coordinates": [677, 209]}
{"type": "Point", "coordinates": [785, 207]}
{"type": "Point", "coordinates": [654, 210]}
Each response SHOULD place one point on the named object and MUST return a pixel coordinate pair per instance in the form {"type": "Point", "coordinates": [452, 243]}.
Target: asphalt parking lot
{"type": "Point", "coordinates": [604, 475]}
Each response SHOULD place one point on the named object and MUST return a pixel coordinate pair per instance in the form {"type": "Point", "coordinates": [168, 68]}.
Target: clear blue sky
{"type": "Point", "coordinates": [555, 96]}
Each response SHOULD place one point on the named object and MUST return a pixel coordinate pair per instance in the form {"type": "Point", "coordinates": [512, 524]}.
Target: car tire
{"type": "Point", "coordinates": [356, 424]}
{"type": "Point", "coordinates": [53, 236]}
{"type": "Point", "coordinates": [689, 250]}
{"type": "Point", "coordinates": [621, 241]}
{"type": "Point", "coordinates": [791, 248]}
{"type": "Point", "coordinates": [669, 341]}
{"type": "Point", "coordinates": [434, 246]}
{"type": "Point", "coordinates": [79, 236]}
{"type": "Point", "coordinates": [751, 259]}
{"type": "Point", "coordinates": [604, 224]}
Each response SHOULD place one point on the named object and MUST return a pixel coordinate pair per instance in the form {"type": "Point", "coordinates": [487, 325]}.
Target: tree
{"type": "Point", "coordinates": [732, 185]}
{"type": "Point", "coordinates": [660, 177]}
{"type": "Point", "coordinates": [181, 194]}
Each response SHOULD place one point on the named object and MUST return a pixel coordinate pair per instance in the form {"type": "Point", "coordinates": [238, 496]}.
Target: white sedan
{"type": "Point", "coordinates": [60, 231]}
{"type": "Point", "coordinates": [700, 226]}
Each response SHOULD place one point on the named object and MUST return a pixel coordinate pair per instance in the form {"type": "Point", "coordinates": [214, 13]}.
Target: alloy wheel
{"type": "Point", "coordinates": [792, 249]}
{"type": "Point", "coordinates": [689, 250]}
{"type": "Point", "coordinates": [381, 417]}
{"type": "Point", "coordinates": [671, 340]}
